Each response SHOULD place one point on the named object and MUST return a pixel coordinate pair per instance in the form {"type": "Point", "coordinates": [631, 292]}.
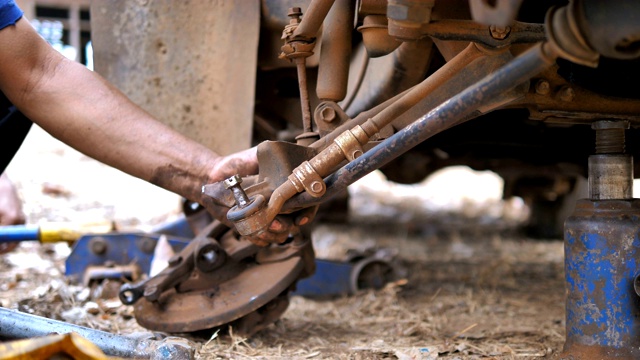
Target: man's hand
{"type": "Point", "coordinates": [284, 227]}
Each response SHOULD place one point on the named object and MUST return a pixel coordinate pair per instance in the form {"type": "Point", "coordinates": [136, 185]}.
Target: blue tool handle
{"type": "Point", "coordinates": [13, 233]}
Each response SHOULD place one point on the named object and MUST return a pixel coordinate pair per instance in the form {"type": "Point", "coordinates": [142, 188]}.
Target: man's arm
{"type": "Point", "coordinates": [83, 110]}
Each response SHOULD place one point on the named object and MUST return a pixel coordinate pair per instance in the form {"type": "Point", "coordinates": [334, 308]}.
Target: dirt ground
{"type": "Point", "coordinates": [474, 286]}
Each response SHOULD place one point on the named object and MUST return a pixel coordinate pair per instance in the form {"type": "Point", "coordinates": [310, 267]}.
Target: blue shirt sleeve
{"type": "Point", "coordinates": [9, 13]}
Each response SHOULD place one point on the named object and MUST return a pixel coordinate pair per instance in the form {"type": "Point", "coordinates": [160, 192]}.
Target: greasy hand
{"type": "Point", "coordinates": [10, 209]}
{"type": "Point", "coordinates": [284, 227]}
{"type": "Point", "coordinates": [242, 163]}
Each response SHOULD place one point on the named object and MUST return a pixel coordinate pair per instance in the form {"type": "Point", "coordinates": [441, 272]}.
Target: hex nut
{"type": "Point", "coordinates": [328, 114]}
{"type": "Point", "coordinates": [232, 181]}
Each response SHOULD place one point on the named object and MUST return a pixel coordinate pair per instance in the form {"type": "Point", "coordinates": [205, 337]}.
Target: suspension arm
{"type": "Point", "coordinates": [450, 113]}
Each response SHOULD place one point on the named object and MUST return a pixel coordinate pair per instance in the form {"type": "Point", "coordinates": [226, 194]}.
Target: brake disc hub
{"type": "Point", "coordinates": [218, 279]}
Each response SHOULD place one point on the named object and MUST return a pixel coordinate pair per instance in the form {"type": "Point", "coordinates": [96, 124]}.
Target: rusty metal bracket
{"type": "Point", "coordinates": [493, 36]}
{"type": "Point", "coordinates": [351, 142]}
{"type": "Point", "coordinates": [305, 177]}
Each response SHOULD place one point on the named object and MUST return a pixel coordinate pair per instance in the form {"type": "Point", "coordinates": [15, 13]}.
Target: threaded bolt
{"type": "Point", "coordinates": [610, 136]}
{"type": "Point", "coordinates": [233, 184]}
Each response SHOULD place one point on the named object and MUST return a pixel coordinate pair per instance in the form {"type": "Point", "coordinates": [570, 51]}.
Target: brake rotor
{"type": "Point", "coordinates": [191, 311]}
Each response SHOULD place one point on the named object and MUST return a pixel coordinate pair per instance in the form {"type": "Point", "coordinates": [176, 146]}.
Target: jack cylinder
{"type": "Point", "coordinates": [602, 249]}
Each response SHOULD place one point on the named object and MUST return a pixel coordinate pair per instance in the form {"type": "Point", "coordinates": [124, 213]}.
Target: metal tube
{"type": "Point", "coordinates": [445, 116]}
{"type": "Point", "coordinates": [610, 177]}
{"type": "Point", "coordinates": [335, 54]}
{"type": "Point", "coordinates": [311, 22]}
{"type": "Point", "coordinates": [304, 94]}
{"type": "Point", "coordinates": [412, 96]}
{"type": "Point", "coordinates": [18, 325]}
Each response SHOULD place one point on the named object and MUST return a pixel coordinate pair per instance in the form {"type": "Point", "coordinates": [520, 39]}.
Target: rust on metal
{"type": "Point", "coordinates": [231, 300]}
{"type": "Point", "coordinates": [335, 53]}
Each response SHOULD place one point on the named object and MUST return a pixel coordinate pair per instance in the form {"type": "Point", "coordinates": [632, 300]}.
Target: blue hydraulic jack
{"type": "Point", "coordinates": [602, 253]}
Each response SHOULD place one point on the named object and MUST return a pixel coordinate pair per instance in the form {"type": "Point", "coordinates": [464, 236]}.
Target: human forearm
{"type": "Point", "coordinates": [81, 109]}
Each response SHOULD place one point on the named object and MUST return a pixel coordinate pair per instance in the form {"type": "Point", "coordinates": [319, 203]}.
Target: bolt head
{"type": "Point", "coordinates": [316, 186]}
{"type": "Point", "coordinates": [543, 87]}
{"type": "Point", "coordinates": [328, 114]}
{"type": "Point", "coordinates": [567, 94]}
{"type": "Point", "coordinates": [98, 246]}
{"type": "Point", "coordinates": [235, 180]}
{"type": "Point", "coordinates": [499, 32]}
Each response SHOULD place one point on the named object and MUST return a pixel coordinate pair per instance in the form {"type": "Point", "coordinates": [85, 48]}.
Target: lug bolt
{"type": "Point", "coordinates": [543, 87]}
{"type": "Point", "coordinates": [233, 184]}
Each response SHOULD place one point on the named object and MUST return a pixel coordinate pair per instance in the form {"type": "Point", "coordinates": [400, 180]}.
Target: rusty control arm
{"type": "Point", "coordinates": [445, 116]}
{"type": "Point", "coordinates": [412, 96]}
{"type": "Point", "coordinates": [348, 145]}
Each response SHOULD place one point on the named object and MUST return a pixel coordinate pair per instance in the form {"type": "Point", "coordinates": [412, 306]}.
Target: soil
{"type": "Point", "coordinates": [472, 285]}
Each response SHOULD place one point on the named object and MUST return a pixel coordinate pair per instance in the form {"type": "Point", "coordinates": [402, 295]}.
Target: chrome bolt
{"type": "Point", "coordinates": [233, 184]}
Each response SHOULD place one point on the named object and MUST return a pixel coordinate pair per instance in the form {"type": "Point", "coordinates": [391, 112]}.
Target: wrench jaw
{"type": "Point", "coordinates": [220, 279]}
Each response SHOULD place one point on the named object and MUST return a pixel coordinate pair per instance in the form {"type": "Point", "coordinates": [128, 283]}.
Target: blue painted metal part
{"type": "Point", "coordinates": [602, 249]}
{"type": "Point", "coordinates": [179, 227]}
{"type": "Point", "coordinates": [120, 248]}
{"type": "Point", "coordinates": [330, 278]}
{"type": "Point", "coordinates": [13, 233]}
